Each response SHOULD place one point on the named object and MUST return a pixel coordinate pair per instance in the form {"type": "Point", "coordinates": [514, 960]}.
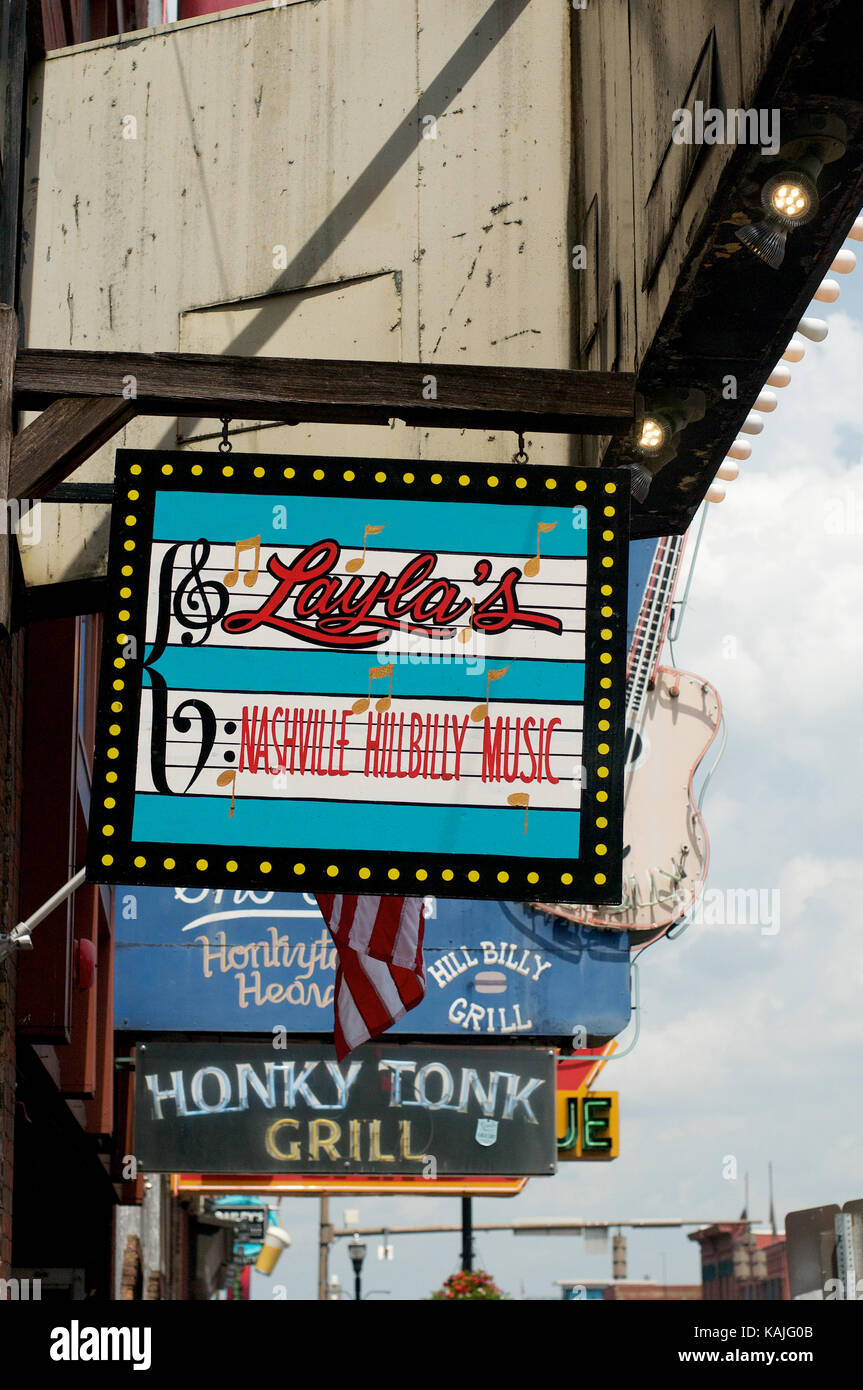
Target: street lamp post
{"type": "Point", "coordinates": [357, 1252]}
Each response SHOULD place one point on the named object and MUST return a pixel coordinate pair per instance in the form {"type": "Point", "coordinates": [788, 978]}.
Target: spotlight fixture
{"type": "Point", "coordinates": [765, 241]}
{"type": "Point", "coordinates": [656, 441]}
{"type": "Point", "coordinates": [790, 197]}
{"type": "Point", "coordinates": [655, 434]}
{"type": "Point", "coordinates": [640, 480]}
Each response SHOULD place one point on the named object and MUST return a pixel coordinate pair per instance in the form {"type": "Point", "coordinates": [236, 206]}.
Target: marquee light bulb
{"type": "Point", "coordinates": [827, 292]}
{"type": "Point", "coordinates": [780, 376]}
{"type": "Point", "coordinates": [814, 329]}
{"type": "Point", "coordinates": [766, 402]}
{"type": "Point", "coordinates": [740, 449]}
{"type": "Point", "coordinates": [795, 351]}
{"type": "Point", "coordinates": [843, 262]}
{"type": "Point", "coordinates": [856, 232]}
{"type": "Point", "coordinates": [753, 424]}
{"type": "Point", "coordinates": [715, 493]}
{"type": "Point", "coordinates": [728, 470]}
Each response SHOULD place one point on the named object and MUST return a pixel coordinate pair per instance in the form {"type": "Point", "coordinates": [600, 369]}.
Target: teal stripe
{"type": "Point", "coordinates": [346, 673]}
{"type": "Point", "coordinates": [490, 528]}
{"type": "Point", "coordinates": [277, 823]}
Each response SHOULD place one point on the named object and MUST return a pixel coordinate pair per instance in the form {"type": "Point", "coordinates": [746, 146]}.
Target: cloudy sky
{"type": "Point", "coordinates": [750, 1042]}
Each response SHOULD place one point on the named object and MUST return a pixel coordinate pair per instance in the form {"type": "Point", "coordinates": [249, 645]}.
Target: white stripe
{"type": "Point", "coordinates": [333, 923]}
{"type": "Point", "coordinates": [405, 947]}
{"type": "Point", "coordinates": [363, 924]}
{"type": "Point", "coordinates": [350, 1018]}
{"type": "Point", "coordinates": [379, 974]}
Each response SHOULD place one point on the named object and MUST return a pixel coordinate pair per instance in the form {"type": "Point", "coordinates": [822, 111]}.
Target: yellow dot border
{"type": "Point", "coordinates": [521, 484]}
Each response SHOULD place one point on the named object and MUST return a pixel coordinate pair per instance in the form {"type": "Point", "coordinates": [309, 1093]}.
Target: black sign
{"type": "Point", "coordinates": [387, 1108]}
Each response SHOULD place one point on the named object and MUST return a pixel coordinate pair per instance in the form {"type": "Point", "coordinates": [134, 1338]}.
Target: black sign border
{"type": "Point", "coordinates": [113, 857]}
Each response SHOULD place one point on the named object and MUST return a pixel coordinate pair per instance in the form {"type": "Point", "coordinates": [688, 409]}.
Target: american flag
{"type": "Point", "coordinates": [380, 974]}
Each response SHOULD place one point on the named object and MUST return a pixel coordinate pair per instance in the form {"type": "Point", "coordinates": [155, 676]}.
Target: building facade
{"type": "Point", "coordinates": [738, 1265]}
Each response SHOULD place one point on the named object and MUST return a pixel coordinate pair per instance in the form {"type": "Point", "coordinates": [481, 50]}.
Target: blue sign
{"type": "Point", "coordinates": [201, 960]}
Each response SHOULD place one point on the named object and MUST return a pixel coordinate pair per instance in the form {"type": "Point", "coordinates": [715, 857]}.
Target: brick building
{"type": "Point", "coordinates": [737, 1264]}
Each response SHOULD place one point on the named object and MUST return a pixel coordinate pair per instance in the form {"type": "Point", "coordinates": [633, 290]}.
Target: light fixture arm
{"type": "Point", "coordinates": [19, 937]}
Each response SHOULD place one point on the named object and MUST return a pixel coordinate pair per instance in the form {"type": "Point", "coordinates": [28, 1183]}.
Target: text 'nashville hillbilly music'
{"type": "Point", "coordinates": [396, 745]}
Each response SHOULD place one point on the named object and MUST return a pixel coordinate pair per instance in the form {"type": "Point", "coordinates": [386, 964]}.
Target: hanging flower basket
{"type": "Point", "coordinates": [477, 1284]}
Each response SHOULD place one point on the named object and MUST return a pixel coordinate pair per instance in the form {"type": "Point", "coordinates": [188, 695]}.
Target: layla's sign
{"type": "Point", "coordinates": [253, 1108]}
{"type": "Point", "coordinates": [342, 675]}
{"type": "Point", "coordinates": [245, 961]}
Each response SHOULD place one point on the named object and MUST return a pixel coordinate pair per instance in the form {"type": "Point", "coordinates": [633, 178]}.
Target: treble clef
{"type": "Point", "coordinates": [199, 604]}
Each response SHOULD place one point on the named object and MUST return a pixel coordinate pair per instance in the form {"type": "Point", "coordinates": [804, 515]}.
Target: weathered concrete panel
{"type": "Point", "coordinates": [259, 153]}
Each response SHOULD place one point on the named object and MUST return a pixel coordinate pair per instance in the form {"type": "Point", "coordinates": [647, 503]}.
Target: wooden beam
{"type": "Point", "coordinates": [8, 344]}
{"type": "Point", "coordinates": [70, 598]}
{"type": "Point", "coordinates": [63, 436]}
{"type": "Point", "coordinates": [13, 66]}
{"type": "Point", "coordinates": [309, 390]}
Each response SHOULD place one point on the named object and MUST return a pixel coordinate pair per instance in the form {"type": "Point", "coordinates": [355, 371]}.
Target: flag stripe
{"type": "Point", "coordinates": [380, 975]}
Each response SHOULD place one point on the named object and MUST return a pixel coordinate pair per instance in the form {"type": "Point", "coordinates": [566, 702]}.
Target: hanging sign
{"type": "Point", "coordinates": [354, 676]}
{"type": "Point", "coordinates": [238, 961]}
{"type": "Point", "coordinates": [237, 1107]}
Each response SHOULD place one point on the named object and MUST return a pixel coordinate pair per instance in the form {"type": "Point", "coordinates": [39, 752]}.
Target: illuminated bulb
{"type": "Point", "coordinates": [753, 424]}
{"type": "Point", "coordinates": [715, 493]}
{"type": "Point", "coordinates": [814, 329]}
{"type": "Point", "coordinates": [856, 232]}
{"type": "Point", "coordinates": [843, 262]}
{"type": "Point", "coordinates": [767, 402]}
{"type": "Point", "coordinates": [827, 292]}
{"type": "Point", "coordinates": [654, 434]}
{"type": "Point", "coordinates": [780, 376]}
{"type": "Point", "coordinates": [790, 200]}
{"type": "Point", "coordinates": [740, 449]}
{"type": "Point", "coordinates": [727, 470]}
{"type": "Point", "coordinates": [795, 351]}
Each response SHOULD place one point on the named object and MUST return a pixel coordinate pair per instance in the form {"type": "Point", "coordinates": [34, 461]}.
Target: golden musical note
{"type": "Point", "coordinates": [376, 673]}
{"type": "Point", "coordinates": [480, 712]}
{"type": "Point", "coordinates": [228, 778]}
{"type": "Point", "coordinates": [467, 633]}
{"type": "Point", "coordinates": [252, 577]}
{"type": "Point", "coordinates": [531, 569]}
{"type": "Point", "coordinates": [353, 565]}
{"type": "Point", "coordinates": [520, 799]}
